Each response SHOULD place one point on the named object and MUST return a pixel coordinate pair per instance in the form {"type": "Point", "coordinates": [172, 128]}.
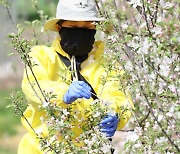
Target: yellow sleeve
{"type": "Point", "coordinates": [114, 92]}
{"type": "Point", "coordinates": [47, 69]}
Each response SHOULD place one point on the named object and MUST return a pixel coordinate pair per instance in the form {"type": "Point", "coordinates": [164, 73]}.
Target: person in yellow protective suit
{"type": "Point", "coordinates": [75, 23]}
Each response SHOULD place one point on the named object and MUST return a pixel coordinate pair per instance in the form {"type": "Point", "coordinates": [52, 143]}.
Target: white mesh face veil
{"type": "Point", "coordinates": [74, 10]}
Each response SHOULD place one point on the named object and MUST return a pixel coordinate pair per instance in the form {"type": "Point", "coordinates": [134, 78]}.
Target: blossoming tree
{"type": "Point", "coordinates": [143, 36]}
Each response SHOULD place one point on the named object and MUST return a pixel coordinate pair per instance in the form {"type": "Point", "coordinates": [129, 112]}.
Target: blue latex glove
{"type": "Point", "coordinates": [77, 89]}
{"type": "Point", "coordinates": [109, 125]}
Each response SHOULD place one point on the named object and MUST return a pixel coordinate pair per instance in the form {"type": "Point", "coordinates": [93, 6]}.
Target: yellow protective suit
{"type": "Point", "coordinates": [49, 72]}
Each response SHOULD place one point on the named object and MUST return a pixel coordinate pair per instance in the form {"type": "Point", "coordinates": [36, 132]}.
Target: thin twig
{"type": "Point", "coordinates": [145, 118]}
{"type": "Point", "coordinates": [32, 85]}
{"type": "Point", "coordinates": [168, 122]}
{"type": "Point", "coordinates": [130, 130]}
{"type": "Point", "coordinates": [118, 17]}
{"type": "Point", "coordinates": [151, 17]}
{"type": "Point", "coordinates": [34, 35]}
{"type": "Point", "coordinates": [30, 67]}
{"type": "Point", "coordinates": [37, 83]}
{"type": "Point", "coordinates": [135, 20]}
{"type": "Point", "coordinates": [145, 16]}
{"type": "Point", "coordinates": [156, 71]}
{"type": "Point", "coordinates": [28, 63]}
{"type": "Point", "coordinates": [176, 89]}
{"type": "Point", "coordinates": [156, 11]}
{"type": "Point", "coordinates": [26, 57]}
{"type": "Point", "coordinates": [98, 8]}
{"type": "Point", "coordinates": [105, 14]}
{"type": "Point", "coordinates": [118, 31]}
{"type": "Point", "coordinates": [10, 17]}
{"type": "Point", "coordinates": [142, 90]}
{"type": "Point", "coordinates": [150, 64]}
{"type": "Point", "coordinates": [152, 113]}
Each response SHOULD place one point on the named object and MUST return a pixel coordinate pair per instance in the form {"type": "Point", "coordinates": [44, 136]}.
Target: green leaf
{"type": "Point", "coordinates": [28, 23]}
{"type": "Point", "coordinates": [174, 39]}
{"type": "Point", "coordinates": [128, 38]}
{"type": "Point", "coordinates": [20, 31]}
{"type": "Point", "coordinates": [35, 22]}
{"type": "Point", "coordinates": [11, 35]}
{"type": "Point", "coordinates": [11, 53]}
{"type": "Point", "coordinates": [9, 106]}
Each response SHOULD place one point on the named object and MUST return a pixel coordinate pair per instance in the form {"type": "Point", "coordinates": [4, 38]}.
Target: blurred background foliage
{"type": "Point", "coordinates": [8, 123]}
{"type": "Point", "coordinates": [25, 11]}
{"type": "Point", "coordinates": [11, 67]}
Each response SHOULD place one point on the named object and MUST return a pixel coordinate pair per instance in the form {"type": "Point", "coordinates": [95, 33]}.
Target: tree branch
{"type": "Point", "coordinates": [152, 113]}
{"type": "Point", "coordinates": [156, 11]}
{"type": "Point", "coordinates": [32, 85]}
{"type": "Point", "coordinates": [151, 17]}
{"type": "Point", "coordinates": [145, 16]}
{"type": "Point", "coordinates": [10, 17]}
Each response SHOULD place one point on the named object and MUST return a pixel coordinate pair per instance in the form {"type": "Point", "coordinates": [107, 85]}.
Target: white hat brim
{"type": "Point", "coordinates": [51, 24]}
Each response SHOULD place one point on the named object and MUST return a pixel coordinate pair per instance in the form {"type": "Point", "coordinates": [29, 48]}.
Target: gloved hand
{"type": "Point", "coordinates": [77, 89]}
{"type": "Point", "coordinates": [109, 125]}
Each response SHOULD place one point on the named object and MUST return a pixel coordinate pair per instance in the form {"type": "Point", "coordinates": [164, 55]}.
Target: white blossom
{"type": "Point", "coordinates": [42, 119]}
{"type": "Point", "coordinates": [106, 103]}
{"type": "Point", "coordinates": [94, 102]}
{"type": "Point", "coordinates": [147, 124]}
{"type": "Point", "coordinates": [172, 88]}
{"type": "Point", "coordinates": [152, 76]}
{"type": "Point", "coordinates": [142, 25]}
{"type": "Point", "coordinates": [94, 138]}
{"type": "Point", "coordinates": [124, 26]}
{"type": "Point", "coordinates": [39, 131]}
{"type": "Point", "coordinates": [88, 142]}
{"type": "Point", "coordinates": [164, 70]}
{"type": "Point", "coordinates": [97, 114]}
{"type": "Point", "coordinates": [157, 30]}
{"type": "Point", "coordinates": [169, 114]}
{"type": "Point", "coordinates": [111, 112]}
{"type": "Point", "coordinates": [66, 137]}
{"type": "Point", "coordinates": [60, 123]}
{"type": "Point", "coordinates": [106, 148]}
{"type": "Point", "coordinates": [135, 3]}
{"type": "Point", "coordinates": [52, 118]}
{"type": "Point", "coordinates": [133, 44]}
{"type": "Point", "coordinates": [138, 145]}
{"type": "Point", "coordinates": [161, 140]}
{"type": "Point", "coordinates": [155, 127]}
{"type": "Point", "coordinates": [171, 109]}
{"type": "Point", "coordinates": [177, 69]}
{"type": "Point", "coordinates": [145, 46]}
{"type": "Point", "coordinates": [45, 104]}
{"type": "Point", "coordinates": [165, 5]}
{"type": "Point", "coordinates": [132, 137]}
{"type": "Point", "coordinates": [54, 138]}
{"type": "Point", "coordinates": [63, 116]}
{"type": "Point", "coordinates": [65, 112]}
{"type": "Point", "coordinates": [169, 152]}
{"type": "Point", "coordinates": [158, 61]}
{"type": "Point", "coordinates": [129, 66]}
{"type": "Point", "coordinates": [160, 117]}
{"type": "Point", "coordinates": [112, 38]}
